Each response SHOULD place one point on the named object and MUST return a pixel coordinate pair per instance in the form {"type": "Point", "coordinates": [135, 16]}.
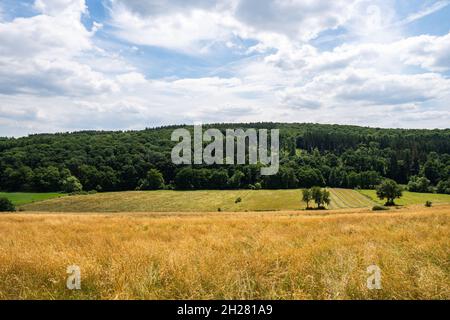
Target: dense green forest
{"type": "Point", "coordinates": [311, 155]}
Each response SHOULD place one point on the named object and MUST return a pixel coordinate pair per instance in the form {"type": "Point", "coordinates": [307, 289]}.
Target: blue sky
{"type": "Point", "coordinates": [69, 65]}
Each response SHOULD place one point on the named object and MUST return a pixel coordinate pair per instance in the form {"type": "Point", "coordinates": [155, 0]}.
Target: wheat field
{"type": "Point", "coordinates": [270, 255]}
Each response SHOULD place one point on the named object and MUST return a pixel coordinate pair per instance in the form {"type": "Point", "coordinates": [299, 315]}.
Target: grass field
{"type": "Point", "coordinates": [409, 198]}
{"type": "Point", "coordinates": [270, 255]}
{"type": "Point", "coordinates": [21, 198]}
{"type": "Point", "coordinates": [204, 201]}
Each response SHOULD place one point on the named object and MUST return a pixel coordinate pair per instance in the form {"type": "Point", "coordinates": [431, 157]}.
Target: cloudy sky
{"type": "Point", "coordinates": [69, 65]}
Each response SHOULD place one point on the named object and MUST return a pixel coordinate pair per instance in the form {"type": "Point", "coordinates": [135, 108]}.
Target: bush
{"type": "Point", "coordinates": [379, 208]}
{"type": "Point", "coordinates": [6, 205]}
{"type": "Point", "coordinates": [419, 184]}
{"type": "Point", "coordinates": [428, 204]}
{"type": "Point", "coordinates": [258, 186]}
{"type": "Point", "coordinates": [238, 200]}
{"type": "Point", "coordinates": [444, 186]}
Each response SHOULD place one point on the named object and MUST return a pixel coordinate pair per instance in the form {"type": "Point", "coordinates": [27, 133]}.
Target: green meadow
{"type": "Point", "coordinates": [409, 198]}
{"type": "Point", "coordinates": [21, 198]}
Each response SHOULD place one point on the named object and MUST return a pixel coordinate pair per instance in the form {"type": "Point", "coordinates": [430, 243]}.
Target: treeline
{"type": "Point", "coordinates": [311, 155]}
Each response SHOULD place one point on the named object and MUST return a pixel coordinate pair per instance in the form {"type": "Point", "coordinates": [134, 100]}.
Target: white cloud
{"type": "Point", "coordinates": [189, 32]}
{"type": "Point", "coordinates": [298, 20]}
{"type": "Point", "coordinates": [187, 25]}
{"type": "Point", "coordinates": [43, 35]}
{"type": "Point", "coordinates": [52, 53]}
{"type": "Point", "coordinates": [61, 7]}
{"type": "Point", "coordinates": [55, 75]}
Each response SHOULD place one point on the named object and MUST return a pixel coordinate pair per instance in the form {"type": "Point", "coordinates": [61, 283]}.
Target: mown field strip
{"type": "Point", "coordinates": [357, 198]}
{"type": "Point", "coordinates": [342, 198]}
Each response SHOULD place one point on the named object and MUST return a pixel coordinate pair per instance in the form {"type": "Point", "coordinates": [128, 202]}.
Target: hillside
{"type": "Point", "coordinates": [311, 154]}
{"type": "Point", "coordinates": [211, 201]}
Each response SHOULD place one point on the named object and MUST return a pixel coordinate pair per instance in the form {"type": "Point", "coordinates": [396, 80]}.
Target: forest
{"type": "Point", "coordinates": [310, 155]}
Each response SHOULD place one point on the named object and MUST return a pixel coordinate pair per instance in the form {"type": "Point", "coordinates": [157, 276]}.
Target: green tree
{"type": "Point", "coordinates": [432, 170]}
{"type": "Point", "coordinates": [419, 184]}
{"type": "Point", "coordinates": [389, 190]}
{"type": "Point", "coordinates": [47, 179]}
{"type": "Point", "coordinates": [307, 197]}
{"type": "Point", "coordinates": [235, 181]}
{"type": "Point", "coordinates": [184, 179]}
{"type": "Point", "coordinates": [71, 184]}
{"type": "Point", "coordinates": [284, 179]}
{"type": "Point", "coordinates": [218, 179]}
{"type": "Point", "coordinates": [153, 181]}
{"type": "Point", "coordinates": [6, 205]}
{"type": "Point", "coordinates": [320, 196]}
{"type": "Point", "coordinates": [308, 177]}
{"type": "Point", "coordinates": [17, 179]}
{"type": "Point", "coordinates": [444, 186]}
{"type": "Point", "coordinates": [326, 198]}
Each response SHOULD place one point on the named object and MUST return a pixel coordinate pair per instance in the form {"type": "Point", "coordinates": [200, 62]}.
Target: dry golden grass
{"type": "Point", "coordinates": [282, 255]}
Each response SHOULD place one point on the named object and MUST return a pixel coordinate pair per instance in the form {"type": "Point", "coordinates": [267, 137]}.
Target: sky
{"type": "Point", "coordinates": [69, 65]}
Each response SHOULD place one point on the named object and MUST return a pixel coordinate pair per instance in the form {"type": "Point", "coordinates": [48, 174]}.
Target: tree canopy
{"type": "Point", "coordinates": [310, 155]}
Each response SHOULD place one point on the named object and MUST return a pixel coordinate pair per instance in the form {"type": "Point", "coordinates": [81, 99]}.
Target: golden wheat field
{"type": "Point", "coordinates": [270, 255]}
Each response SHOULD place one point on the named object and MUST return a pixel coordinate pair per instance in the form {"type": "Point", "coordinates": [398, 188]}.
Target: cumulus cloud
{"type": "Point", "coordinates": [43, 54]}
{"type": "Point", "coordinates": [299, 20]}
{"type": "Point", "coordinates": [58, 74]}
{"type": "Point", "coordinates": [61, 7]}
{"type": "Point", "coordinates": [43, 35]}
{"type": "Point", "coordinates": [189, 32]}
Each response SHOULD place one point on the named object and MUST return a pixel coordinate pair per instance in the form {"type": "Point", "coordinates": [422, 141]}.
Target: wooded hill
{"type": "Point", "coordinates": [311, 154]}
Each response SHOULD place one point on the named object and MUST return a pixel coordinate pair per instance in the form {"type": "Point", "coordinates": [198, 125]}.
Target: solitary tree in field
{"type": "Point", "coordinates": [307, 197]}
{"type": "Point", "coordinates": [389, 190]}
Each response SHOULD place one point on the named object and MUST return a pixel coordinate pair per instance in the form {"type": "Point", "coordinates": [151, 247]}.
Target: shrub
{"type": "Point", "coordinates": [258, 186]}
{"type": "Point", "coordinates": [444, 186]}
{"type": "Point", "coordinates": [428, 204]}
{"type": "Point", "coordinates": [238, 200]}
{"type": "Point", "coordinates": [6, 205]}
{"type": "Point", "coordinates": [419, 184]}
{"type": "Point", "coordinates": [379, 208]}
